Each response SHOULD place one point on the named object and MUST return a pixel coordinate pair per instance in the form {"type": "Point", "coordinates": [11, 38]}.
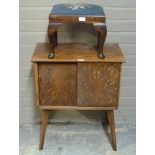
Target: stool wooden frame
{"type": "Point", "coordinates": [55, 22]}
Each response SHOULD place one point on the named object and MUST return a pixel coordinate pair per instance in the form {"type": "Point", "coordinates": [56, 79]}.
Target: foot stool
{"type": "Point", "coordinates": [77, 13]}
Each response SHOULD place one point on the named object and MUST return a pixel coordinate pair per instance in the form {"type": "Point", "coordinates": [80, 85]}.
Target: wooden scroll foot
{"type": "Point", "coordinates": [111, 121]}
{"type": "Point", "coordinates": [52, 36]}
{"type": "Point", "coordinates": [51, 54]}
{"type": "Point", "coordinates": [44, 121]}
{"type": "Point", "coordinates": [101, 55]}
{"type": "Point", "coordinates": [102, 33]}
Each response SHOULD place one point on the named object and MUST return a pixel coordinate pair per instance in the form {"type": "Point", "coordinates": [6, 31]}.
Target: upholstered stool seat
{"type": "Point", "coordinates": [77, 13]}
{"type": "Point", "coordinates": [77, 9]}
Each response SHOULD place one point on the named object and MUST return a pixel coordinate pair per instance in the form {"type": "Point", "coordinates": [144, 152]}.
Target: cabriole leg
{"type": "Point", "coordinates": [52, 36]}
{"type": "Point", "coordinates": [102, 33]}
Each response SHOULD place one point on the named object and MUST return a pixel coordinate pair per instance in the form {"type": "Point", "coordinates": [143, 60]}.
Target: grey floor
{"type": "Point", "coordinates": [78, 139]}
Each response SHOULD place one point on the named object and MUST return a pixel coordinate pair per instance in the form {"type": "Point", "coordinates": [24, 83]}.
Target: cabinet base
{"type": "Point", "coordinates": [44, 121]}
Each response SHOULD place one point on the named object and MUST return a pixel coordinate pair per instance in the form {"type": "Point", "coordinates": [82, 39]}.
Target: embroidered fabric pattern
{"type": "Point", "coordinates": [77, 6]}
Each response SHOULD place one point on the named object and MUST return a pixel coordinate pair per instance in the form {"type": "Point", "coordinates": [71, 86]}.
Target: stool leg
{"type": "Point", "coordinates": [56, 39]}
{"type": "Point", "coordinates": [111, 121]}
{"type": "Point", "coordinates": [44, 121]}
{"type": "Point", "coordinates": [52, 36]}
{"type": "Point", "coordinates": [98, 39]}
{"type": "Point", "coordinates": [51, 41]}
{"type": "Point", "coordinates": [102, 33]}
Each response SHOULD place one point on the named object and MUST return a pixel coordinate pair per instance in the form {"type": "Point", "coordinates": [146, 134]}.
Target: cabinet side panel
{"type": "Point", "coordinates": [98, 84]}
{"type": "Point", "coordinates": [36, 82]}
{"type": "Point", "coordinates": [57, 83]}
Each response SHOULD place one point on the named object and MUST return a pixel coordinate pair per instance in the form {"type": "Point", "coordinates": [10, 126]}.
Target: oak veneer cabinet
{"type": "Point", "coordinates": [77, 79]}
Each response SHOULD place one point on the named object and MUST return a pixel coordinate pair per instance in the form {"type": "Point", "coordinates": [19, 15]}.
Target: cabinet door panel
{"type": "Point", "coordinates": [57, 82]}
{"type": "Point", "coordinates": [98, 84]}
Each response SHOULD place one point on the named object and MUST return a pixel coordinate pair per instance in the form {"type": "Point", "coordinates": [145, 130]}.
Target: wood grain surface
{"type": "Point", "coordinates": [71, 52]}
{"type": "Point", "coordinates": [75, 19]}
{"type": "Point", "coordinates": [75, 108]}
{"type": "Point", "coordinates": [57, 83]}
{"type": "Point", "coordinates": [98, 84]}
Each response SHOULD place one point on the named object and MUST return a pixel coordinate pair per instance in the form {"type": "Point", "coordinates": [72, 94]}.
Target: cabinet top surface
{"type": "Point", "coordinates": [77, 53]}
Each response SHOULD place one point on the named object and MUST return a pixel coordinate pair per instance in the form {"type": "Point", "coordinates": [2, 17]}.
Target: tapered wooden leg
{"type": "Point", "coordinates": [44, 121]}
{"type": "Point", "coordinates": [106, 118]}
{"type": "Point", "coordinates": [111, 121]}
